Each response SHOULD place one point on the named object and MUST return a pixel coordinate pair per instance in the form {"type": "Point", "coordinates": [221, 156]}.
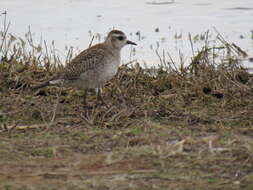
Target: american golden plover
{"type": "Point", "coordinates": [93, 67]}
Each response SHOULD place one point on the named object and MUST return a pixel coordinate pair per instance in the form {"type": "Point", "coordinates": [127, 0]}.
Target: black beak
{"type": "Point", "coordinates": [132, 43]}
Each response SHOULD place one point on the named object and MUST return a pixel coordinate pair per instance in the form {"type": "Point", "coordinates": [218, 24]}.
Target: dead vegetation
{"type": "Point", "coordinates": [185, 127]}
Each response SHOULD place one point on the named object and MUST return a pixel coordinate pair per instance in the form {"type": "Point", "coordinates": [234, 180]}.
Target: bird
{"type": "Point", "coordinates": [93, 67]}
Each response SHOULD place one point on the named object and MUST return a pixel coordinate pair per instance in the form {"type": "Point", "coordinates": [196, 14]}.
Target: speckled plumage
{"type": "Point", "coordinates": [93, 67]}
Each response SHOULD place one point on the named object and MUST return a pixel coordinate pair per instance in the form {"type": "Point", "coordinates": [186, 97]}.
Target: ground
{"type": "Point", "coordinates": [186, 127]}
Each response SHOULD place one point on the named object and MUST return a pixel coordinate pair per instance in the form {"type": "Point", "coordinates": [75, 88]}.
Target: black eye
{"type": "Point", "coordinates": [120, 38]}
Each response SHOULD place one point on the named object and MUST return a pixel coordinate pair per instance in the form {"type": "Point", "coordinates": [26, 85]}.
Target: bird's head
{"type": "Point", "coordinates": [117, 39]}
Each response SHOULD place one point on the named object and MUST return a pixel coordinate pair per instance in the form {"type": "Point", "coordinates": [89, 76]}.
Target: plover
{"type": "Point", "coordinates": [93, 67]}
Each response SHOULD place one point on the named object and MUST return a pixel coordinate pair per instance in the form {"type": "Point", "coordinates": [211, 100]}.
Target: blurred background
{"type": "Point", "coordinates": [156, 26]}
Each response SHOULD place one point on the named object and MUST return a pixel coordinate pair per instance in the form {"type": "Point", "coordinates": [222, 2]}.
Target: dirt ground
{"type": "Point", "coordinates": [154, 133]}
{"type": "Point", "coordinates": [171, 127]}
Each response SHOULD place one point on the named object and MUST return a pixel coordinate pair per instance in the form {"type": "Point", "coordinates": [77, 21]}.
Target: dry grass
{"type": "Point", "coordinates": [186, 127]}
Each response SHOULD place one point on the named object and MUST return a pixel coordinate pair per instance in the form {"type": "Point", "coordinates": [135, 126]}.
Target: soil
{"type": "Point", "coordinates": [161, 132]}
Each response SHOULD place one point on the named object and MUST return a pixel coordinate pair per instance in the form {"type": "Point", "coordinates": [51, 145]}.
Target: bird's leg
{"type": "Point", "coordinates": [99, 97]}
{"type": "Point", "coordinates": [85, 98]}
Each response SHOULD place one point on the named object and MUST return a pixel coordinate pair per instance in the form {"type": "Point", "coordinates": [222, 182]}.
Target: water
{"type": "Point", "coordinates": [73, 22]}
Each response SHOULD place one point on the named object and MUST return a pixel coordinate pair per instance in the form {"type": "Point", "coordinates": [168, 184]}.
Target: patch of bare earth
{"type": "Point", "coordinates": [166, 128]}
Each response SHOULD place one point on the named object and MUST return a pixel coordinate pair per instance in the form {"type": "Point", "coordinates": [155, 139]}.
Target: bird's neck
{"type": "Point", "coordinates": [113, 51]}
{"type": "Point", "coordinates": [110, 45]}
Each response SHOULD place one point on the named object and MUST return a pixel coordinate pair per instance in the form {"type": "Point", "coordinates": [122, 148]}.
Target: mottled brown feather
{"type": "Point", "coordinates": [93, 67]}
{"type": "Point", "coordinates": [86, 60]}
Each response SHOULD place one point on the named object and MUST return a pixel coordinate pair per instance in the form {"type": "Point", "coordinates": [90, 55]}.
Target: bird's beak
{"type": "Point", "coordinates": [132, 43]}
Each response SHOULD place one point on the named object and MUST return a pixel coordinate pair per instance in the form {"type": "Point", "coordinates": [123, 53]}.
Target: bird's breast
{"type": "Point", "coordinates": [104, 72]}
{"type": "Point", "coordinates": [110, 69]}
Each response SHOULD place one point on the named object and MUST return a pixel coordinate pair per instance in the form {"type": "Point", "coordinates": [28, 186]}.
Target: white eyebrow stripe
{"type": "Point", "coordinates": [119, 35]}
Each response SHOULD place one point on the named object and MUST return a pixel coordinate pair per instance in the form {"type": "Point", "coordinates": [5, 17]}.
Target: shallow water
{"type": "Point", "coordinates": [73, 22]}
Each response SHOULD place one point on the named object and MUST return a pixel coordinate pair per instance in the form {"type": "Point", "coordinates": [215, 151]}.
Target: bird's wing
{"type": "Point", "coordinates": [85, 61]}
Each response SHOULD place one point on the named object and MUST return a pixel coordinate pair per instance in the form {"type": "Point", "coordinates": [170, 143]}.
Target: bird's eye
{"type": "Point", "coordinates": [120, 38]}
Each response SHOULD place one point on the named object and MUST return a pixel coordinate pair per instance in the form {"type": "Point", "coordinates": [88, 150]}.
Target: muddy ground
{"type": "Point", "coordinates": [160, 129]}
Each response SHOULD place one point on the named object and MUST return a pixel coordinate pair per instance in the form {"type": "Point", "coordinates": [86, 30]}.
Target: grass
{"type": "Point", "coordinates": [186, 127]}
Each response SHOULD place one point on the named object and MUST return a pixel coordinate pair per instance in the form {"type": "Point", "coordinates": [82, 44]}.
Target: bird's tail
{"type": "Point", "coordinates": [57, 82]}
{"type": "Point", "coordinates": [47, 83]}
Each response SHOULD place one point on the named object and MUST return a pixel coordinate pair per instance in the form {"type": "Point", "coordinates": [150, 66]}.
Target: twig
{"type": "Point", "coordinates": [45, 44]}
{"type": "Point", "coordinates": [130, 62]}
{"type": "Point", "coordinates": [190, 38]}
{"type": "Point", "coordinates": [222, 39]}
{"type": "Point", "coordinates": [56, 106]}
{"type": "Point", "coordinates": [91, 41]}
{"type": "Point", "coordinates": [243, 53]}
{"type": "Point", "coordinates": [236, 83]}
{"type": "Point", "coordinates": [69, 55]}
{"type": "Point", "coordinates": [23, 127]}
{"type": "Point", "coordinates": [174, 65]}
{"type": "Point", "coordinates": [9, 113]}
{"type": "Point", "coordinates": [156, 51]}
{"type": "Point", "coordinates": [4, 35]}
